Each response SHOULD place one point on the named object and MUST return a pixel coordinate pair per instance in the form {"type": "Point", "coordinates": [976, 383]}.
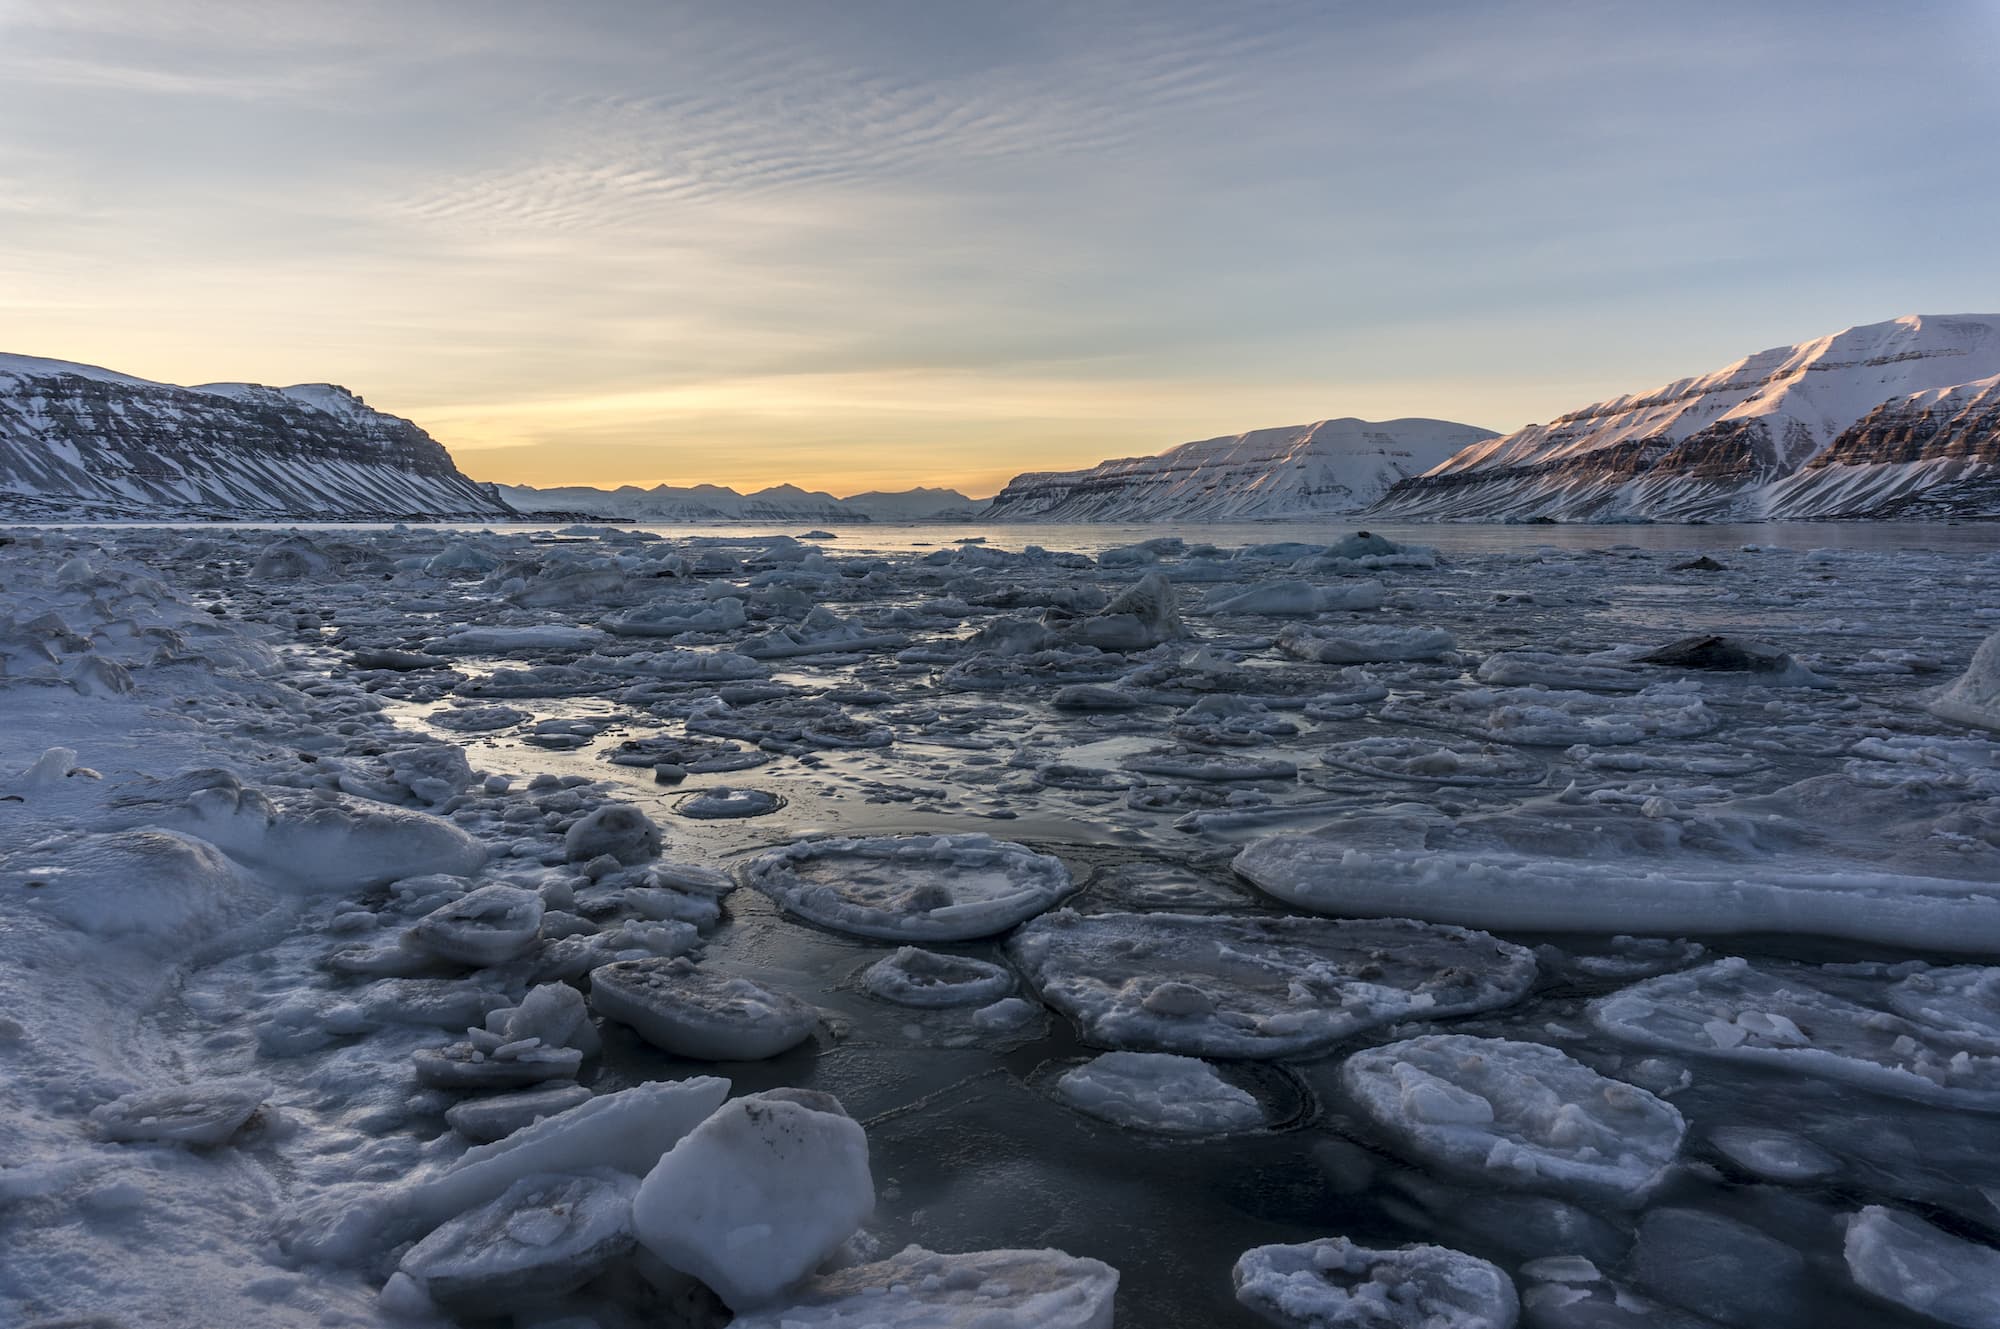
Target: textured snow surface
{"type": "Point", "coordinates": [1333, 1283]}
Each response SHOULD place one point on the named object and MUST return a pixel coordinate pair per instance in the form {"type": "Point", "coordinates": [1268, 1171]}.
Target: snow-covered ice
{"type": "Point", "coordinates": [1258, 986]}
{"type": "Point", "coordinates": [330, 856]}
{"type": "Point", "coordinates": [1519, 1112]}
{"type": "Point", "coordinates": [1158, 1091]}
{"type": "Point", "coordinates": [689, 1011]}
{"type": "Point", "coordinates": [1333, 1283]}
{"type": "Point", "coordinates": [919, 888]}
{"type": "Point", "coordinates": [758, 1195]}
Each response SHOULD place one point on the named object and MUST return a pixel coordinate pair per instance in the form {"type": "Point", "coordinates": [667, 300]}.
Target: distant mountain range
{"type": "Point", "coordinates": [1889, 420]}
{"type": "Point", "coordinates": [77, 441]}
{"type": "Point", "coordinates": [1896, 419]}
{"type": "Point", "coordinates": [1332, 466]}
{"type": "Point", "coordinates": [669, 504]}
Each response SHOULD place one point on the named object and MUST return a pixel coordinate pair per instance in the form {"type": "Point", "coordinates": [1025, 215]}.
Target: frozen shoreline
{"type": "Point", "coordinates": [378, 775]}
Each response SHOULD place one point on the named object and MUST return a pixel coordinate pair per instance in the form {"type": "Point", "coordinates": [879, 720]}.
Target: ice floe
{"type": "Point", "coordinates": [913, 888]}
{"type": "Point", "coordinates": [1524, 1113]}
{"type": "Point", "coordinates": [1158, 1091]}
{"type": "Point", "coordinates": [689, 1011]}
{"type": "Point", "coordinates": [1236, 986]}
{"type": "Point", "coordinates": [759, 1195]}
{"type": "Point", "coordinates": [920, 1289]}
{"type": "Point", "coordinates": [1333, 1283]}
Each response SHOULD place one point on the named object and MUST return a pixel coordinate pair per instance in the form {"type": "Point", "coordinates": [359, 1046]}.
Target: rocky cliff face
{"type": "Point", "coordinates": [1857, 424]}
{"type": "Point", "coordinates": [80, 441]}
{"type": "Point", "coordinates": [1326, 468]}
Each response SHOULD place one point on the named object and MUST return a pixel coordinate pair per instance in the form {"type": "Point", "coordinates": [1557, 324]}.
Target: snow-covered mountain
{"type": "Point", "coordinates": [1889, 419]}
{"type": "Point", "coordinates": [1331, 466]}
{"type": "Point", "coordinates": [671, 504]}
{"type": "Point", "coordinates": [80, 441]}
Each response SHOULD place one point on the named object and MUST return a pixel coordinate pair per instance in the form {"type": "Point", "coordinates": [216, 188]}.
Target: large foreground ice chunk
{"type": "Point", "coordinates": [1735, 1012]}
{"type": "Point", "coordinates": [1158, 1091]}
{"type": "Point", "coordinates": [920, 1289]}
{"type": "Point", "coordinates": [1521, 1112]}
{"type": "Point", "coordinates": [1258, 987]}
{"type": "Point", "coordinates": [1901, 1258]}
{"type": "Point", "coordinates": [758, 1195]}
{"type": "Point", "coordinates": [544, 1236]}
{"type": "Point", "coordinates": [1334, 1284]}
{"type": "Point", "coordinates": [912, 888]}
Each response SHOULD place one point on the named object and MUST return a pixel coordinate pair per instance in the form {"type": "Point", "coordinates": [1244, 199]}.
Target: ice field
{"type": "Point", "coordinates": [1451, 927]}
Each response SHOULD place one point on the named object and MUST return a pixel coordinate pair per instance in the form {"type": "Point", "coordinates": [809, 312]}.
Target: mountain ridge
{"type": "Point", "coordinates": [1768, 437]}
{"type": "Point", "coordinates": [81, 441]}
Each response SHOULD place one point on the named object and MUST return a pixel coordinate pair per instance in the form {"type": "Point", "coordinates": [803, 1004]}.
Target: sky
{"type": "Point", "coordinates": [868, 245]}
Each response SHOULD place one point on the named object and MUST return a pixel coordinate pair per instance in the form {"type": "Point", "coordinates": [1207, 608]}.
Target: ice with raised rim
{"type": "Point", "coordinates": [931, 979]}
{"type": "Point", "coordinates": [1732, 1010]}
{"type": "Point", "coordinates": [1255, 987]}
{"type": "Point", "coordinates": [1523, 1113]}
{"type": "Point", "coordinates": [911, 888]}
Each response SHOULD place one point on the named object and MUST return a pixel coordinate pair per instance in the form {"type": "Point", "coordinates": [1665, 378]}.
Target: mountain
{"type": "Point", "coordinates": [672, 504]}
{"type": "Point", "coordinates": [1332, 466]}
{"type": "Point", "coordinates": [1889, 419]}
{"type": "Point", "coordinates": [80, 441]}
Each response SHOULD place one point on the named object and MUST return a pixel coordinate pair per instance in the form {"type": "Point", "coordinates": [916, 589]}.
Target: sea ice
{"type": "Point", "coordinates": [1733, 1011]}
{"type": "Point", "coordinates": [1333, 1283]}
{"type": "Point", "coordinates": [545, 1235]}
{"type": "Point", "coordinates": [496, 1116]}
{"type": "Point", "coordinates": [931, 979]}
{"type": "Point", "coordinates": [1773, 1155]}
{"type": "Point", "coordinates": [1297, 598]}
{"type": "Point", "coordinates": [911, 888]}
{"type": "Point", "coordinates": [758, 1195]}
{"type": "Point", "coordinates": [1429, 761]}
{"type": "Point", "coordinates": [1158, 1091]}
{"type": "Point", "coordinates": [206, 1113]}
{"type": "Point", "coordinates": [1517, 1112]}
{"type": "Point", "coordinates": [486, 926]}
{"type": "Point", "coordinates": [1715, 1266]}
{"type": "Point", "coordinates": [1974, 698]}
{"type": "Point", "coordinates": [617, 829]}
{"type": "Point", "coordinates": [1255, 986]}
{"type": "Point", "coordinates": [920, 1289]}
{"type": "Point", "coordinates": [1362, 644]}
{"type": "Point", "coordinates": [694, 1012]}
{"type": "Point", "coordinates": [1902, 1259]}
{"type": "Point", "coordinates": [1497, 889]}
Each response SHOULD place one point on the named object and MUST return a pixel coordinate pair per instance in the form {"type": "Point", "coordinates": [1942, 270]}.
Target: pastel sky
{"type": "Point", "coordinates": [859, 245]}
